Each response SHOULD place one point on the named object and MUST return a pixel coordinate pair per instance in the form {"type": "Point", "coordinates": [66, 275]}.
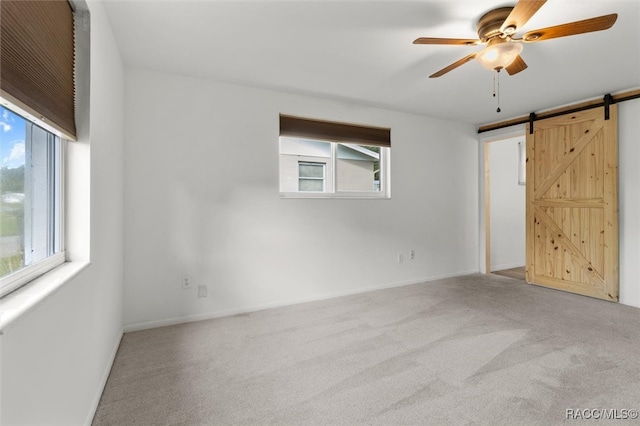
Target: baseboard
{"type": "Point", "coordinates": [247, 309]}
{"type": "Point", "coordinates": [632, 303]}
{"type": "Point", "coordinates": [103, 382]}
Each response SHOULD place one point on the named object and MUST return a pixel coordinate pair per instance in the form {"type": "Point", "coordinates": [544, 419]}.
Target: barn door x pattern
{"type": "Point", "coordinates": [572, 204]}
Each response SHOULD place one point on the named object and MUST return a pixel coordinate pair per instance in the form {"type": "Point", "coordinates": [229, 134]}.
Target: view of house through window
{"type": "Point", "coordinates": [358, 168]}
{"type": "Point", "coordinates": [30, 195]}
{"type": "Point", "coordinates": [313, 166]}
{"type": "Point", "coordinates": [310, 176]}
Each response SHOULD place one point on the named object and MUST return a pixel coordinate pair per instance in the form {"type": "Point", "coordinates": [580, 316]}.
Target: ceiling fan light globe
{"type": "Point", "coordinates": [498, 56]}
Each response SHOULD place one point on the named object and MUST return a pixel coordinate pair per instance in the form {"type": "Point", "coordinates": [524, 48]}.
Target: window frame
{"type": "Point", "coordinates": [385, 167]}
{"type": "Point", "coordinates": [334, 133]}
{"type": "Point", "coordinates": [46, 67]}
{"type": "Point", "coordinates": [522, 163]}
{"type": "Point", "coordinates": [323, 178]}
{"type": "Point", "coordinates": [55, 183]}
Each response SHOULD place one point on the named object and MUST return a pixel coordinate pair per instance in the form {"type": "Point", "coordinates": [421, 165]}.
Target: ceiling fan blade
{"type": "Point", "coordinates": [434, 40]}
{"type": "Point", "coordinates": [521, 13]}
{"type": "Point", "coordinates": [579, 27]}
{"type": "Point", "coordinates": [516, 66]}
{"type": "Point", "coordinates": [453, 66]}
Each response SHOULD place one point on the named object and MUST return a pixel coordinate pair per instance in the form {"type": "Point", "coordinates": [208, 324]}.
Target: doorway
{"type": "Point", "coordinates": [505, 206]}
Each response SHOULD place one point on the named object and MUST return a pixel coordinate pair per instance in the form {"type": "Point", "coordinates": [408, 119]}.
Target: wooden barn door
{"type": "Point", "coordinates": [572, 203]}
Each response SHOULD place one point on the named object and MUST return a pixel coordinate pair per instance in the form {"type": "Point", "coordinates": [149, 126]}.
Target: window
{"type": "Point", "coordinates": [37, 94]}
{"type": "Point", "coordinates": [31, 199]}
{"type": "Point", "coordinates": [325, 159]}
{"type": "Point", "coordinates": [310, 177]}
{"type": "Point", "coordinates": [522, 163]}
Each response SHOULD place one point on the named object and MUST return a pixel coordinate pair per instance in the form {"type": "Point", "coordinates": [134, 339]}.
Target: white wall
{"type": "Point", "coordinates": [56, 358]}
{"type": "Point", "coordinates": [629, 201]}
{"type": "Point", "coordinates": [201, 199]}
{"type": "Point", "coordinates": [507, 199]}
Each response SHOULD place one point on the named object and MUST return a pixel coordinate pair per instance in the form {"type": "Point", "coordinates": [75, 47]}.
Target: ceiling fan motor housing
{"type": "Point", "coordinates": [490, 23]}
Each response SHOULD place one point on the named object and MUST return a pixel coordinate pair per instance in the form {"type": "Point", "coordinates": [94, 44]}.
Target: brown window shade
{"type": "Point", "coordinates": [332, 131]}
{"type": "Point", "coordinates": [37, 60]}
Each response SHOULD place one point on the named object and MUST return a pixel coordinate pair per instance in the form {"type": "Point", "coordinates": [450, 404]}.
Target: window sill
{"type": "Point", "coordinates": [20, 302]}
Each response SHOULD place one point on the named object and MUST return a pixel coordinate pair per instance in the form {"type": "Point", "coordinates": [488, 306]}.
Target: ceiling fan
{"type": "Point", "coordinates": [497, 29]}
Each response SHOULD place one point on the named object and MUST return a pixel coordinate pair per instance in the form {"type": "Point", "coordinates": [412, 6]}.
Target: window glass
{"type": "Point", "coordinates": [358, 168]}
{"type": "Point", "coordinates": [332, 168]}
{"type": "Point", "coordinates": [311, 170]}
{"type": "Point", "coordinates": [30, 195]}
{"type": "Point", "coordinates": [522, 163]}
{"type": "Point", "coordinates": [311, 177]}
{"type": "Point", "coordinates": [311, 185]}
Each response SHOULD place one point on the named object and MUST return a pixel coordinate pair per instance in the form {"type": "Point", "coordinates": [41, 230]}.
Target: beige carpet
{"type": "Point", "coordinates": [486, 350]}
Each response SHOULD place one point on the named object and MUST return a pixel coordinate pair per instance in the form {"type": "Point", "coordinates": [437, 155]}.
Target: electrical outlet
{"type": "Point", "coordinates": [400, 258]}
{"type": "Point", "coordinates": [412, 254]}
{"type": "Point", "coordinates": [186, 283]}
{"type": "Point", "coordinates": [202, 291]}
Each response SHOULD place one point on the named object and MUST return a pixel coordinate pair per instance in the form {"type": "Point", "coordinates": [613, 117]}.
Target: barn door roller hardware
{"type": "Point", "coordinates": [532, 118]}
{"type": "Point", "coordinates": [608, 100]}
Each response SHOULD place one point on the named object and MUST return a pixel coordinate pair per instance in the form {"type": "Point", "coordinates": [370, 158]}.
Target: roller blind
{"type": "Point", "coordinates": [332, 131]}
{"type": "Point", "coordinates": [37, 60]}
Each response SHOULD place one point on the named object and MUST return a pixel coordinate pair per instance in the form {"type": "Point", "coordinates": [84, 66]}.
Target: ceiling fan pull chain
{"type": "Point", "coordinates": [498, 91]}
{"type": "Point", "coordinates": [494, 85]}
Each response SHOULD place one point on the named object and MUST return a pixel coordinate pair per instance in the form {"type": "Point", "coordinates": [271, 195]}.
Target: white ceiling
{"type": "Point", "coordinates": [362, 51]}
